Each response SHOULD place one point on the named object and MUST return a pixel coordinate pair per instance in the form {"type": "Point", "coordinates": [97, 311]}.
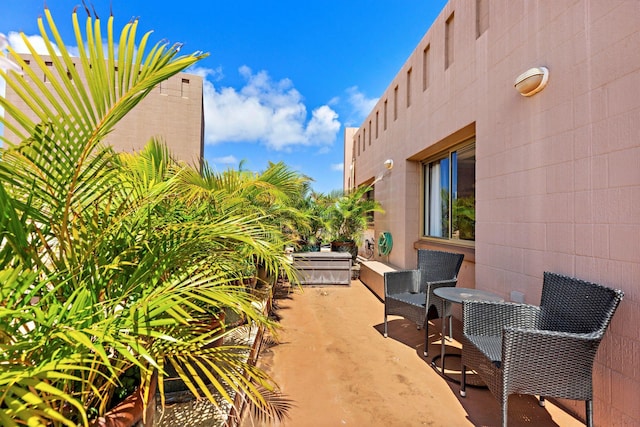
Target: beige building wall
{"type": "Point", "coordinates": [349, 172]}
{"type": "Point", "coordinates": [557, 176]}
{"type": "Point", "coordinates": [173, 112]}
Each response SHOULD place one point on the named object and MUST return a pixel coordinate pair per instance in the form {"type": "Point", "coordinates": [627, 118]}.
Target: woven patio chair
{"type": "Point", "coordinates": [409, 293]}
{"type": "Point", "coordinates": [545, 350]}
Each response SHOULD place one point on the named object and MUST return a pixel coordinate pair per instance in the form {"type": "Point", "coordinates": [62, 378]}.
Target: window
{"type": "Point", "coordinates": [395, 103]}
{"type": "Point", "coordinates": [369, 132]}
{"type": "Point", "coordinates": [482, 17]}
{"type": "Point", "coordinates": [48, 64]}
{"type": "Point", "coordinates": [384, 117]}
{"type": "Point", "coordinates": [364, 139]}
{"type": "Point", "coordinates": [450, 195]}
{"type": "Point", "coordinates": [370, 195]}
{"type": "Point", "coordinates": [448, 42]}
{"type": "Point", "coordinates": [376, 125]}
{"type": "Point", "coordinates": [425, 67]}
{"type": "Point", "coordinates": [184, 88]}
{"type": "Point", "coordinates": [409, 88]}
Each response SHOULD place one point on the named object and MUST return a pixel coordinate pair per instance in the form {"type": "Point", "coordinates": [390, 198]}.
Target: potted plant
{"type": "Point", "coordinates": [348, 217]}
{"type": "Point", "coordinates": [311, 229]}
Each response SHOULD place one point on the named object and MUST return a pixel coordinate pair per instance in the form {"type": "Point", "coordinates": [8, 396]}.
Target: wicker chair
{"type": "Point", "coordinates": [409, 293]}
{"type": "Point", "coordinates": [547, 350]}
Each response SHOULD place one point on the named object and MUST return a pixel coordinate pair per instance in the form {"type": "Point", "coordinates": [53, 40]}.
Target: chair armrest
{"type": "Point", "coordinates": [528, 342]}
{"type": "Point", "coordinates": [536, 361]}
{"type": "Point", "coordinates": [431, 285]}
{"type": "Point", "coordinates": [397, 282]}
{"type": "Point", "coordinates": [489, 318]}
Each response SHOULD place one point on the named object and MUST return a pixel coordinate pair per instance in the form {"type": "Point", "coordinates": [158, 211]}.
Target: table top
{"type": "Point", "coordinates": [458, 295]}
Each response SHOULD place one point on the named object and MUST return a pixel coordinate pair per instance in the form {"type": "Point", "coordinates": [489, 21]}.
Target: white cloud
{"type": "Point", "coordinates": [37, 42]}
{"type": "Point", "coordinates": [326, 149]}
{"type": "Point", "coordinates": [339, 167]}
{"type": "Point", "coordinates": [213, 74]}
{"type": "Point", "coordinates": [264, 110]}
{"type": "Point", "coordinates": [359, 106]}
{"type": "Point", "coordinates": [226, 160]}
{"type": "Point", "coordinates": [358, 100]}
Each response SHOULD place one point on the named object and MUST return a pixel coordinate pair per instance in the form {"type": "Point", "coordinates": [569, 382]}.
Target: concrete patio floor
{"type": "Point", "coordinates": [333, 362]}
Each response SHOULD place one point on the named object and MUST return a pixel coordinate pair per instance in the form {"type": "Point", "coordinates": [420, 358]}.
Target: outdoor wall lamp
{"type": "Point", "coordinates": [388, 164]}
{"type": "Point", "coordinates": [532, 81]}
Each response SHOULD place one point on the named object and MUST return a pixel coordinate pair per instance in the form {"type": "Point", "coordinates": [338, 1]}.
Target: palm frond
{"type": "Point", "coordinates": [276, 406]}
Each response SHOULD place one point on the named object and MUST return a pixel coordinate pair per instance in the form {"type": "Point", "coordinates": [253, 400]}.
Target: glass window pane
{"type": "Point", "coordinates": [437, 190]}
{"type": "Point", "coordinates": [464, 194]}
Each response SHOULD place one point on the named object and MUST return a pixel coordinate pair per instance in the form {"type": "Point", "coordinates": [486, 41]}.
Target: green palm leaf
{"type": "Point", "coordinates": [110, 262]}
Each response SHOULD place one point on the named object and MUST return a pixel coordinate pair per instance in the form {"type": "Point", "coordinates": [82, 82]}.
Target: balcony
{"type": "Point", "coordinates": [334, 363]}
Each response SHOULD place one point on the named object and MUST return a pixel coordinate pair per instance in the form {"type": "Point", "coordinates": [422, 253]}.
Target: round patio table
{"type": "Point", "coordinates": [457, 295]}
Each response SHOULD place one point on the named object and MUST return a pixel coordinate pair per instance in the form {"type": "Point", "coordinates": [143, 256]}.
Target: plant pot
{"type": "Point", "coordinates": [131, 411]}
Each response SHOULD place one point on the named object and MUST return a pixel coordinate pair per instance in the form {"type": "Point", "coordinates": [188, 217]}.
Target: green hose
{"type": "Point", "coordinates": [385, 243]}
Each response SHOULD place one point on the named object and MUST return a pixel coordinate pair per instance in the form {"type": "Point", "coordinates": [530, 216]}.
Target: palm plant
{"type": "Point", "coordinates": [270, 194]}
{"type": "Point", "coordinates": [104, 265]}
{"type": "Point", "coordinates": [315, 206]}
{"type": "Point", "coordinates": [348, 215]}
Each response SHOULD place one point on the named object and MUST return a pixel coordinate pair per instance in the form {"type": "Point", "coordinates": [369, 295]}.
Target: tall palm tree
{"type": "Point", "coordinates": [103, 267]}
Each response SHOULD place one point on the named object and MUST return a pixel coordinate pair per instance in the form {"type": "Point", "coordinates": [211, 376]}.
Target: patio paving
{"type": "Point", "coordinates": [333, 362]}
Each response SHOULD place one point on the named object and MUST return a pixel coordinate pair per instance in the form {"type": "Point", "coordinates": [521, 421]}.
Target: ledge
{"type": "Point", "coordinates": [372, 275]}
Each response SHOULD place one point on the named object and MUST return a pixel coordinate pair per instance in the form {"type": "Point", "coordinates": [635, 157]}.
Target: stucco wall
{"type": "Point", "coordinates": [557, 176]}
{"type": "Point", "coordinates": [173, 112]}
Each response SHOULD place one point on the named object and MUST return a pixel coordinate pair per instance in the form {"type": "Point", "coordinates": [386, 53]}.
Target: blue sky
{"type": "Point", "coordinates": [282, 79]}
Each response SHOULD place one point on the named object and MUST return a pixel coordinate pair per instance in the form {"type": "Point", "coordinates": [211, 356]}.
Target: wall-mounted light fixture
{"type": "Point", "coordinates": [388, 165]}
{"type": "Point", "coordinates": [532, 81]}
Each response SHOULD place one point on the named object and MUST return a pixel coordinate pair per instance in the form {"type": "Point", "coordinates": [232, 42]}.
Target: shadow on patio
{"type": "Point", "coordinates": [334, 363]}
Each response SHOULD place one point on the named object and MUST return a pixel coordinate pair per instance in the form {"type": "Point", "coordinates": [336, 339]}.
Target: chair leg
{"type": "Point", "coordinates": [385, 325]}
{"type": "Point", "coordinates": [505, 410]}
{"type": "Point", "coordinates": [589, 413]}
{"type": "Point", "coordinates": [450, 328]}
{"type": "Point", "coordinates": [426, 337]}
{"type": "Point", "coordinates": [463, 381]}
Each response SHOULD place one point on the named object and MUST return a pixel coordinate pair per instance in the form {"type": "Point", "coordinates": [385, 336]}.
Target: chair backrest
{"type": "Point", "coordinates": [439, 265]}
{"type": "Point", "coordinates": [574, 305]}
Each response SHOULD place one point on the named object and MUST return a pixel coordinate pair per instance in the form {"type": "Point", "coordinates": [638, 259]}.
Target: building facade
{"type": "Point", "coordinates": [520, 184]}
{"type": "Point", "coordinates": [172, 112]}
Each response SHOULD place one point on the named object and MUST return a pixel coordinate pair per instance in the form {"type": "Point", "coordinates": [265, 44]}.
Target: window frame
{"type": "Point", "coordinates": [467, 144]}
{"type": "Point", "coordinates": [371, 195]}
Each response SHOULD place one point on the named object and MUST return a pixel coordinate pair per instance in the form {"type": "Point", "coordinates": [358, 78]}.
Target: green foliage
{"type": "Point", "coordinates": [337, 216]}
{"type": "Point", "coordinates": [464, 218]}
{"type": "Point", "coordinates": [111, 262]}
{"type": "Point", "coordinates": [348, 214]}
